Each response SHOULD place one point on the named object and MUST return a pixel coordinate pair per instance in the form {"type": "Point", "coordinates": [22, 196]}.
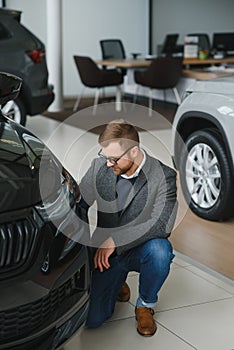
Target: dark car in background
{"type": "Point", "coordinates": [24, 55]}
{"type": "Point", "coordinates": [44, 270]}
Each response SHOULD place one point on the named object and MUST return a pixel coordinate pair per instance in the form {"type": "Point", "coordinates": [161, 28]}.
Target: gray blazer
{"type": "Point", "coordinates": [150, 208]}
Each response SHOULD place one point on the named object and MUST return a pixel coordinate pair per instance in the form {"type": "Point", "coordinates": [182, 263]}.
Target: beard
{"type": "Point", "coordinates": [122, 170]}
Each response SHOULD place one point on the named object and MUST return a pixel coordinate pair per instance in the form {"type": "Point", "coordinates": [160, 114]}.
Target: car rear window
{"type": "Point", "coordinates": [4, 32]}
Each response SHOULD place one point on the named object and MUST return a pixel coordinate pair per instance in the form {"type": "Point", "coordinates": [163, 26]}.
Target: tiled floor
{"type": "Point", "coordinates": [195, 308]}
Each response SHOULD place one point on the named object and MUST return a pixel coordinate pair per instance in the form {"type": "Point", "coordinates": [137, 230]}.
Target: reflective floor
{"type": "Point", "coordinates": [196, 305]}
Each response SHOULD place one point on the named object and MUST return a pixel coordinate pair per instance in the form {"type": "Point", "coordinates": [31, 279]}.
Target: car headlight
{"type": "Point", "coordinates": [60, 209]}
{"type": "Point", "coordinates": [63, 199]}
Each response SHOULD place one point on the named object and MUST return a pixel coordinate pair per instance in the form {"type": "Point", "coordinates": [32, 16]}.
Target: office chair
{"type": "Point", "coordinates": [203, 41]}
{"type": "Point", "coordinates": [94, 77]}
{"type": "Point", "coordinates": [111, 49]}
{"type": "Point", "coordinates": [163, 73]}
{"type": "Point", "coordinates": [169, 45]}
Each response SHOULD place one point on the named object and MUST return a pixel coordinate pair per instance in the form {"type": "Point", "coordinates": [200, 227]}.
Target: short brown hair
{"type": "Point", "coordinates": [119, 130]}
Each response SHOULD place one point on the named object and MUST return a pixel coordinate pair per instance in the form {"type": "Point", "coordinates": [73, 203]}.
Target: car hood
{"type": "Point", "coordinates": [222, 86]}
{"type": "Point", "coordinates": [20, 167]}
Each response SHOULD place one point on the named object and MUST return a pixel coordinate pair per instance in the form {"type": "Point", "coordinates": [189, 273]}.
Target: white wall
{"type": "Point", "coordinates": [191, 16]}
{"type": "Point", "coordinates": [84, 24]}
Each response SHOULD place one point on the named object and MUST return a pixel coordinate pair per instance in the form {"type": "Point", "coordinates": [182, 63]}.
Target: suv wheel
{"type": "Point", "coordinates": [205, 176]}
{"type": "Point", "coordinates": [15, 110]}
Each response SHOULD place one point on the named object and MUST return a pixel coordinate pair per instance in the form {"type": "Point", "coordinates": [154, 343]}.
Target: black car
{"type": "Point", "coordinates": [44, 270]}
{"type": "Point", "coordinates": [24, 55]}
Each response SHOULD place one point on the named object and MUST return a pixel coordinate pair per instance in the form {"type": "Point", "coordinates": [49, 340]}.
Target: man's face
{"type": "Point", "coordinates": [125, 163]}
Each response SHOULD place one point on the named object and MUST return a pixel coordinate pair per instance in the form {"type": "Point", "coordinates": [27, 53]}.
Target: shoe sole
{"type": "Point", "coordinates": [146, 335]}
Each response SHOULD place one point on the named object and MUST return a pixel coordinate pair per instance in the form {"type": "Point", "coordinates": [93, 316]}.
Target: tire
{"type": "Point", "coordinates": [15, 110]}
{"type": "Point", "coordinates": [206, 177]}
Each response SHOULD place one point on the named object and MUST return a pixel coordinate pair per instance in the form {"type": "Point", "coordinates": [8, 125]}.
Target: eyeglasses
{"type": "Point", "coordinates": [113, 160]}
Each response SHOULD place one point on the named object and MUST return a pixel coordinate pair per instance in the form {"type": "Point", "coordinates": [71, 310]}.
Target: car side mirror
{"type": "Point", "coordinates": [10, 86]}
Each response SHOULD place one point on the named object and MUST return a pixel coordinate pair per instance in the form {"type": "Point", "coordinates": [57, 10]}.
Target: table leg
{"type": "Point", "coordinates": [118, 102]}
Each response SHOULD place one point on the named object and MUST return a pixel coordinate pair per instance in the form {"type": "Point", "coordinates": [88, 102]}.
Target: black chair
{"type": "Point", "coordinates": [111, 49]}
{"type": "Point", "coordinates": [203, 41]}
{"type": "Point", "coordinates": [94, 77]}
{"type": "Point", "coordinates": [163, 73]}
{"type": "Point", "coordinates": [169, 46]}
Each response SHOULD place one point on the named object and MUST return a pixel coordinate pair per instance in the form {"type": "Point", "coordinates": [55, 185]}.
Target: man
{"type": "Point", "coordinates": [136, 200]}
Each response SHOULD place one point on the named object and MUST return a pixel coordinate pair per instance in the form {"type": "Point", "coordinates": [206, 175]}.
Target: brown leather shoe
{"type": "Point", "coordinates": [146, 324]}
{"type": "Point", "coordinates": [124, 293]}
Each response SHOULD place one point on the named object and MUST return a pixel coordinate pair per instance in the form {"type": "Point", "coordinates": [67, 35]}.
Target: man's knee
{"type": "Point", "coordinates": [159, 251]}
{"type": "Point", "coordinates": [96, 319]}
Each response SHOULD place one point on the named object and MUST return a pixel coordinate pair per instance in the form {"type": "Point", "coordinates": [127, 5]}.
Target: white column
{"type": "Point", "coordinates": [54, 51]}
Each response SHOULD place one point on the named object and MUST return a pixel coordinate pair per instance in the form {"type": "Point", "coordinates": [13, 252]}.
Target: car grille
{"type": "Point", "coordinates": [18, 322]}
{"type": "Point", "coordinates": [16, 243]}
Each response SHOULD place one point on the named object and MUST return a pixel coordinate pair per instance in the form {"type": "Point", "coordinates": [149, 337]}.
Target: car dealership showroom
{"type": "Point", "coordinates": [116, 175]}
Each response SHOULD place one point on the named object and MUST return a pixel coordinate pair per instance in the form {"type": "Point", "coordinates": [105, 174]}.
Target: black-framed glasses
{"type": "Point", "coordinates": [113, 160]}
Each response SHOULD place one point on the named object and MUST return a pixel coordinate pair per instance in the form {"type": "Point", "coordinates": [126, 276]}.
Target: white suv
{"type": "Point", "coordinates": [203, 143]}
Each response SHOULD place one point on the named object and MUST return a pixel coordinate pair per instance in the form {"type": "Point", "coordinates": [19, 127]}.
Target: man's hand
{"type": "Point", "coordinates": [101, 258]}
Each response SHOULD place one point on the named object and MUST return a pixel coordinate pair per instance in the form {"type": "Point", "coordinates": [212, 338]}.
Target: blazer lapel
{"type": "Point", "coordinates": [139, 183]}
{"type": "Point", "coordinates": [106, 186]}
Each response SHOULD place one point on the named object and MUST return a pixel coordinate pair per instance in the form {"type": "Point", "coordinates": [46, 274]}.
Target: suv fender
{"type": "Point", "coordinates": [192, 121]}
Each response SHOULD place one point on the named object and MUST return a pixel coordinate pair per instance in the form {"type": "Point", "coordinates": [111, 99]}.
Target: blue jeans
{"type": "Point", "coordinates": [152, 260]}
